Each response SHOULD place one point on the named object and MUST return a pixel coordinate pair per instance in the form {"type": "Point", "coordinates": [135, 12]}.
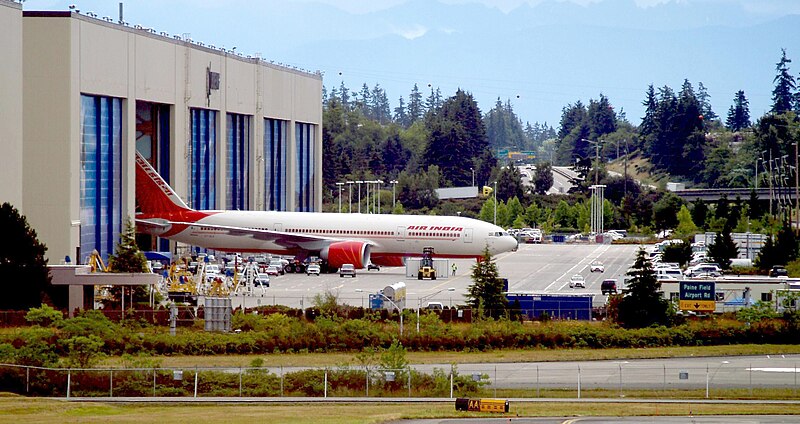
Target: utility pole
{"type": "Point", "coordinates": [625, 181]}
{"type": "Point", "coordinates": [796, 190]}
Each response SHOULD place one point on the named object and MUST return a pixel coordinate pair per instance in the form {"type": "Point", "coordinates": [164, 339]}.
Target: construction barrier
{"type": "Point", "coordinates": [482, 405]}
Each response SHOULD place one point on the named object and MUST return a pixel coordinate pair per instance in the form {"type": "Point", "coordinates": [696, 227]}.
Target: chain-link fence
{"type": "Point", "coordinates": [766, 378]}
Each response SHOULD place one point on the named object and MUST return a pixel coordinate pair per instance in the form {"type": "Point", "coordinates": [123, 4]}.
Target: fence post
{"type": "Point", "coordinates": [751, 378]}
{"type": "Point", "coordinates": [579, 381]}
{"type": "Point", "coordinates": [409, 381]}
{"type": "Point", "coordinates": [665, 378]}
{"type": "Point", "coordinates": [195, 381]}
{"type": "Point", "coordinates": [451, 381]}
{"type": "Point", "coordinates": [366, 375]}
{"type": "Point", "coordinates": [281, 380]}
{"type": "Point", "coordinates": [27, 379]}
{"type": "Point", "coordinates": [495, 381]}
{"type": "Point", "coordinates": [69, 377]}
{"type": "Point", "coordinates": [111, 383]}
{"type": "Point", "coordinates": [537, 381]}
{"type": "Point", "coordinates": [325, 383]}
{"type": "Point", "coordinates": [620, 380]}
{"type": "Point", "coordinates": [154, 382]}
{"type": "Point", "coordinates": [706, 381]}
{"type": "Point", "coordinates": [240, 381]}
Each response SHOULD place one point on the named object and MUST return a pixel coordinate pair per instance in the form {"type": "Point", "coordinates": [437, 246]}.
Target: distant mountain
{"type": "Point", "coordinates": [541, 57]}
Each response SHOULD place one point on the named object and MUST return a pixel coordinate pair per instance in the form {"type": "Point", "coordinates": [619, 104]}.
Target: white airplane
{"type": "Point", "coordinates": [338, 238]}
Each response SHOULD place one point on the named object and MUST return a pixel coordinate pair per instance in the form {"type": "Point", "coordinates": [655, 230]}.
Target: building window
{"type": "Point", "coordinates": [238, 159]}
{"type": "Point", "coordinates": [202, 159]}
{"type": "Point", "coordinates": [275, 136]}
{"type": "Point", "coordinates": [766, 297]}
{"type": "Point", "coordinates": [304, 148]}
{"type": "Point", "coordinates": [100, 174]}
{"type": "Point", "coordinates": [153, 143]}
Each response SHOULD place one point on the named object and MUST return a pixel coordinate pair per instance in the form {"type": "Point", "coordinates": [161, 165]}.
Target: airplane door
{"type": "Point", "coordinates": [278, 226]}
{"type": "Point", "coordinates": [400, 234]}
{"type": "Point", "coordinates": [467, 235]}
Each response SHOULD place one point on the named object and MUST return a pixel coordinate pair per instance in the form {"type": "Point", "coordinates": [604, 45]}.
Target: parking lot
{"type": "Point", "coordinates": [539, 268]}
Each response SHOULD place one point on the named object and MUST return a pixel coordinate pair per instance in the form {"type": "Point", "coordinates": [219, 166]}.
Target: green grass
{"type": "Point", "coordinates": [532, 355]}
{"type": "Point", "coordinates": [33, 411]}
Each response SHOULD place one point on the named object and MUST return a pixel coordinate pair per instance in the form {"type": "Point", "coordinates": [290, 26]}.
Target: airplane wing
{"type": "Point", "coordinates": [287, 240]}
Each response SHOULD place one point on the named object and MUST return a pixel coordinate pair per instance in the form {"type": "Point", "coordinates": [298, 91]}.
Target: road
{"type": "Point", "coordinates": [532, 268]}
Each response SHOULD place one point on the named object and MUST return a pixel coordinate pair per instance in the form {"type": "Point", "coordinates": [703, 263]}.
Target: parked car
{"type": "Point", "coordinates": [577, 282]}
{"type": "Point", "coordinates": [279, 264]}
{"type": "Point", "coordinates": [313, 269]}
{"type": "Point", "coordinates": [262, 280]}
{"type": "Point", "coordinates": [597, 266]}
{"type": "Point", "coordinates": [273, 270]}
{"type": "Point", "coordinates": [347, 269]}
{"type": "Point", "coordinates": [370, 267]}
{"type": "Point", "coordinates": [778, 271]}
{"type": "Point", "coordinates": [608, 286]}
{"type": "Point", "coordinates": [434, 306]}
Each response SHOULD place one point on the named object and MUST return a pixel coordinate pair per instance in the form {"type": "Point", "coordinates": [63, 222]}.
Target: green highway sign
{"type": "Point", "coordinates": [697, 296]}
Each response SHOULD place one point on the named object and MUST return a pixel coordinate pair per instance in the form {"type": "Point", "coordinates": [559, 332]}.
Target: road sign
{"type": "Point", "coordinates": [697, 296]}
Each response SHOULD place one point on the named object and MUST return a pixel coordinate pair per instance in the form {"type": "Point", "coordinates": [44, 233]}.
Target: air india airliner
{"type": "Point", "coordinates": [349, 238]}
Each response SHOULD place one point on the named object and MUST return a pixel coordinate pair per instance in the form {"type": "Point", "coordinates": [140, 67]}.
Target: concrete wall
{"type": "Point", "coordinates": [11, 105]}
{"type": "Point", "coordinates": [67, 54]}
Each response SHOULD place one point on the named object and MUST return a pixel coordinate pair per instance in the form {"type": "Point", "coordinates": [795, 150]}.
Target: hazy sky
{"type": "Point", "coordinates": [287, 30]}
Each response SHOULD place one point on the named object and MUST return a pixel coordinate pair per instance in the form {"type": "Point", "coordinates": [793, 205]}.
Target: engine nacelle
{"type": "Point", "coordinates": [388, 260]}
{"type": "Point", "coordinates": [346, 252]}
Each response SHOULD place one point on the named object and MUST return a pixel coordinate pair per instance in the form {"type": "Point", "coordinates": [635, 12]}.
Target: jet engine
{"type": "Point", "coordinates": [346, 252]}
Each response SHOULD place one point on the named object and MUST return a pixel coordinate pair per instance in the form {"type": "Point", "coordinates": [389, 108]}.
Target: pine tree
{"type": "Point", "coordinates": [783, 94]}
{"type": "Point", "coordinates": [705, 103]}
{"type": "Point", "coordinates": [724, 249]}
{"type": "Point", "coordinates": [22, 262]}
{"type": "Point", "coordinates": [700, 213]}
{"type": "Point", "coordinates": [415, 111]}
{"type": "Point", "coordinates": [485, 294]}
{"type": "Point", "coordinates": [543, 178]}
{"type": "Point", "coordinates": [643, 305]}
{"type": "Point", "coordinates": [648, 126]}
{"type": "Point", "coordinates": [739, 113]}
{"type": "Point", "coordinates": [400, 114]}
{"type": "Point", "coordinates": [127, 257]}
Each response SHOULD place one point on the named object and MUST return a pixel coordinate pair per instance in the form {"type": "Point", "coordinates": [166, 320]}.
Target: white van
{"type": "Point", "coordinates": [668, 274]}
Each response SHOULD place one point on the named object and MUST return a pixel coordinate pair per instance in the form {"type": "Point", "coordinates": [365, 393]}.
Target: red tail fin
{"type": "Point", "coordinates": [153, 194]}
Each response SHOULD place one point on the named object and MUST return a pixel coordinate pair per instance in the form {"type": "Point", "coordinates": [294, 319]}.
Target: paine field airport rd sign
{"type": "Point", "coordinates": [697, 296]}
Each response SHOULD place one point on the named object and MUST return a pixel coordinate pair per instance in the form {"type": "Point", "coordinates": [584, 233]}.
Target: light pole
{"type": "Point", "coordinates": [421, 299]}
{"type": "Point", "coordinates": [400, 311]}
{"type": "Point", "coordinates": [350, 196]}
{"type": "Point", "coordinates": [495, 203]}
{"type": "Point", "coordinates": [378, 185]}
{"type": "Point", "coordinates": [359, 182]}
{"type": "Point", "coordinates": [394, 184]}
{"type": "Point", "coordinates": [341, 186]}
{"type": "Point", "coordinates": [366, 189]}
{"type": "Point", "coordinates": [473, 176]}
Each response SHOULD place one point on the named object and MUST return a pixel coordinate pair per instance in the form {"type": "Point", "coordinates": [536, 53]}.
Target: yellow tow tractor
{"type": "Point", "coordinates": [426, 269]}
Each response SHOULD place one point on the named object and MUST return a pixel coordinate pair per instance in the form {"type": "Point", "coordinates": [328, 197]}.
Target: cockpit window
{"type": "Point", "coordinates": [498, 234]}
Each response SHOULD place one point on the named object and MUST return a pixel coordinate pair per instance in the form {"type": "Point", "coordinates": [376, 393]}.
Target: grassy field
{"type": "Point", "coordinates": [32, 411]}
{"type": "Point", "coordinates": [534, 355]}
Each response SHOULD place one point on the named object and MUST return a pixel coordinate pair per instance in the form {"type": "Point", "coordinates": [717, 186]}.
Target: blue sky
{"type": "Point", "coordinates": [539, 54]}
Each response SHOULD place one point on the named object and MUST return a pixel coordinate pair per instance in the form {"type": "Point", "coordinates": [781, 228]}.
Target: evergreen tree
{"type": "Point", "coordinates": [739, 113]}
{"type": "Point", "coordinates": [686, 227]}
{"type": "Point", "coordinates": [364, 102]}
{"type": "Point", "coordinates": [509, 183]}
{"type": "Point", "coordinates": [22, 262]}
{"type": "Point", "coordinates": [485, 294]}
{"type": "Point", "coordinates": [778, 250]}
{"type": "Point", "coordinates": [415, 107]}
{"type": "Point", "coordinates": [783, 94]}
{"type": "Point", "coordinates": [344, 96]}
{"type": "Point", "coordinates": [643, 304]}
{"type": "Point", "coordinates": [649, 125]}
{"type": "Point", "coordinates": [543, 178]}
{"type": "Point", "coordinates": [705, 103]}
{"type": "Point", "coordinates": [601, 118]}
{"type": "Point", "coordinates": [723, 249]}
{"type": "Point", "coordinates": [127, 258]}
{"type": "Point", "coordinates": [400, 115]}
{"type": "Point", "coordinates": [457, 137]}
{"type": "Point", "coordinates": [680, 253]}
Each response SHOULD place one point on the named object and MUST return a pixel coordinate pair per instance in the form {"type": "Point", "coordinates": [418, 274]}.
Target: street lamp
{"type": "Point", "coordinates": [359, 182]}
{"type": "Point", "coordinates": [419, 301]}
{"type": "Point", "coordinates": [341, 186]}
{"type": "Point", "coordinates": [350, 196]}
{"type": "Point", "coordinates": [473, 176]}
{"type": "Point", "coordinates": [394, 184]}
{"type": "Point", "coordinates": [378, 184]}
{"type": "Point", "coordinates": [495, 203]}
{"type": "Point", "coordinates": [400, 311]}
